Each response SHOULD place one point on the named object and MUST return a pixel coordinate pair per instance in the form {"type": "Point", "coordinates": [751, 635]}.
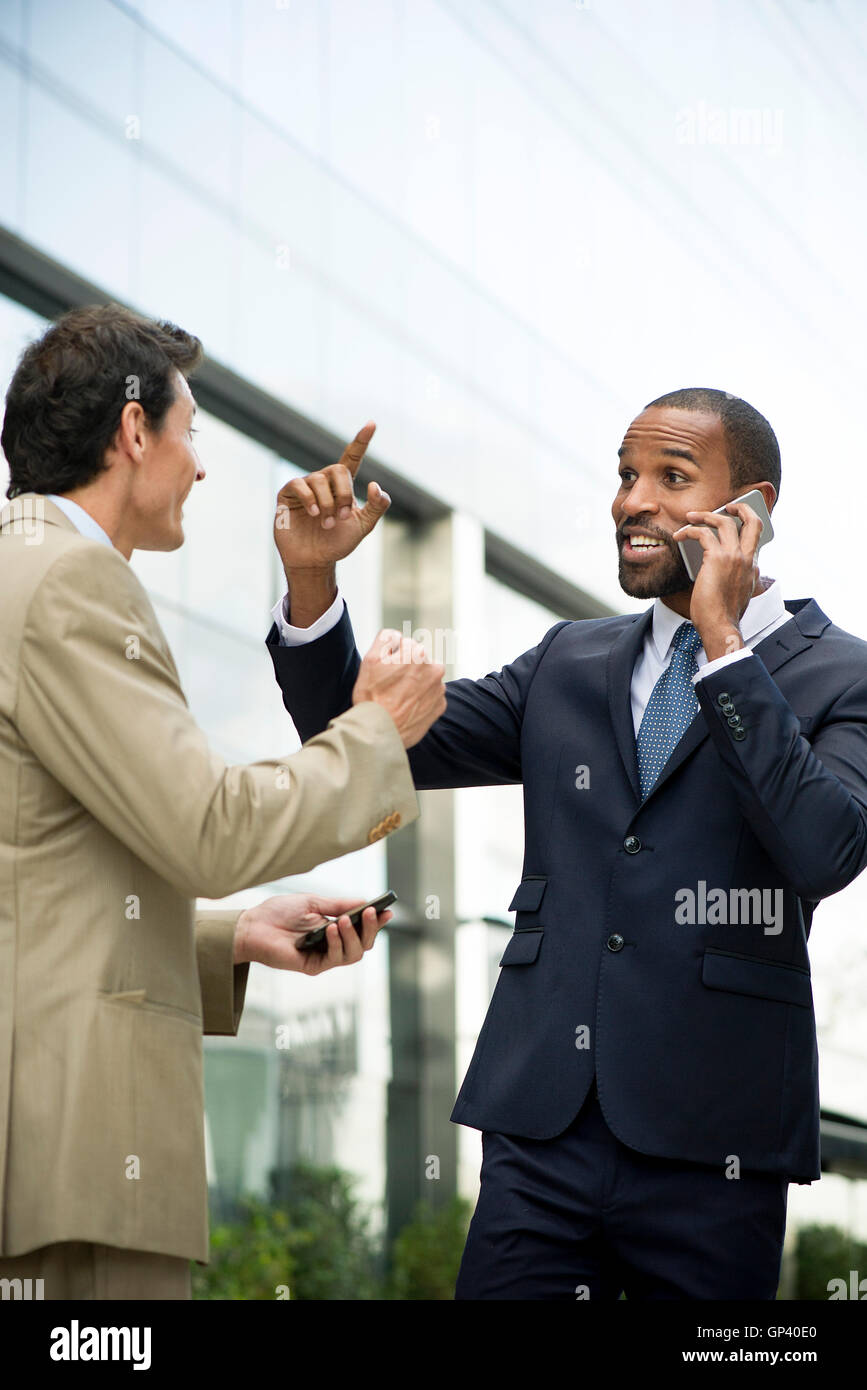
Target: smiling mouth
{"type": "Point", "coordinates": [641, 547]}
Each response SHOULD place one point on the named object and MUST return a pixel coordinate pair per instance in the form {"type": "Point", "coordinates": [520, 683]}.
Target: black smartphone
{"type": "Point", "coordinates": [314, 940]}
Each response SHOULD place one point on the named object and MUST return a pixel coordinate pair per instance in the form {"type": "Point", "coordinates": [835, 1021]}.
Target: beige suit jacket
{"type": "Point", "coordinates": [114, 817]}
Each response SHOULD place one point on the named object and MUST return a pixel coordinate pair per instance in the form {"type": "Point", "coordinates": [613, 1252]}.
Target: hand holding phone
{"type": "Point", "coordinates": [692, 551]}
{"type": "Point", "coordinates": [315, 940]}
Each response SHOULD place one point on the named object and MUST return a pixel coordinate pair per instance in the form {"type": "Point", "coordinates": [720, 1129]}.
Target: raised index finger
{"type": "Point", "coordinates": [354, 452]}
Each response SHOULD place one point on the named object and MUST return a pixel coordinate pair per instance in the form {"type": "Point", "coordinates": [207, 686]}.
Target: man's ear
{"type": "Point", "coordinates": [769, 492]}
{"type": "Point", "coordinates": [131, 433]}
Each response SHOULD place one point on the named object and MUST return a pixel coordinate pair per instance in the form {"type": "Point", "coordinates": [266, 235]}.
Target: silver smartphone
{"type": "Point", "coordinates": [692, 551]}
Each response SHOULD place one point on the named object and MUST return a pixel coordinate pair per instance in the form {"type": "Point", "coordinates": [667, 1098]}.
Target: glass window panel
{"type": "Point", "coordinates": [505, 140]}
{"type": "Point", "coordinates": [187, 263]}
{"type": "Point", "coordinates": [281, 37]}
{"type": "Point", "coordinates": [230, 688]}
{"type": "Point", "coordinates": [11, 17]}
{"type": "Point", "coordinates": [284, 194]}
{"type": "Point", "coordinates": [363, 368]}
{"type": "Point", "coordinates": [440, 319]}
{"type": "Point", "coordinates": [439, 76]}
{"type": "Point", "coordinates": [368, 258]}
{"type": "Point", "coordinates": [489, 835]}
{"type": "Point", "coordinates": [79, 193]}
{"type": "Point", "coordinates": [197, 129]}
{"type": "Point", "coordinates": [206, 30]}
{"type": "Point", "coordinates": [89, 47]}
{"type": "Point", "coordinates": [18, 327]}
{"type": "Point", "coordinates": [280, 340]}
{"type": "Point", "coordinates": [504, 354]}
{"type": "Point", "coordinates": [11, 88]}
{"type": "Point", "coordinates": [368, 129]}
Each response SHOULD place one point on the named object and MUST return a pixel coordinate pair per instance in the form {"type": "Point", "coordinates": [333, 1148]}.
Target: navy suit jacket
{"type": "Point", "coordinates": [701, 1036]}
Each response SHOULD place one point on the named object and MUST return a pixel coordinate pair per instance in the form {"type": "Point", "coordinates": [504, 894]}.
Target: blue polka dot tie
{"type": "Point", "coordinates": [672, 706]}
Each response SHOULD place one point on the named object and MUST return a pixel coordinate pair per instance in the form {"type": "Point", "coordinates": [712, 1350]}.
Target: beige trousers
{"type": "Point", "coordinates": [76, 1269]}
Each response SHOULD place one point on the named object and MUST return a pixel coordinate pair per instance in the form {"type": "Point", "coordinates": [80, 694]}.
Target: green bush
{"type": "Point", "coordinates": [427, 1253]}
{"type": "Point", "coordinates": [824, 1253]}
{"type": "Point", "coordinates": [314, 1238]}
{"type": "Point", "coordinates": [249, 1259]}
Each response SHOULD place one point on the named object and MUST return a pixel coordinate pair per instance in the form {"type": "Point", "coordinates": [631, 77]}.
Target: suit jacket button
{"type": "Point", "coordinates": [615, 942]}
{"type": "Point", "coordinates": [632, 844]}
{"type": "Point", "coordinates": [724, 698]}
{"type": "Point", "coordinates": [735, 720]}
{"type": "Point", "coordinates": [739, 734]}
{"type": "Point", "coordinates": [728, 707]}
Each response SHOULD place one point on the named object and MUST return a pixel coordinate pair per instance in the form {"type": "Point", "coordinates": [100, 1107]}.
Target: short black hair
{"type": "Point", "coordinates": [64, 402]}
{"type": "Point", "coordinates": [753, 451]}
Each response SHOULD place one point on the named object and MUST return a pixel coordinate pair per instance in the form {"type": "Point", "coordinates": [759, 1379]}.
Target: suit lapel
{"type": "Point", "coordinates": [809, 622]}
{"type": "Point", "coordinates": [621, 661]}
{"type": "Point", "coordinates": [775, 650]}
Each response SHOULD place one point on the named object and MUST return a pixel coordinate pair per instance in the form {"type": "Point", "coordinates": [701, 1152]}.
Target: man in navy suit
{"type": "Point", "coordinates": [695, 782]}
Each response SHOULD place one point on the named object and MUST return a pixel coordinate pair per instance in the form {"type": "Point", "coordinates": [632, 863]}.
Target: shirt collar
{"type": "Point", "coordinates": [762, 610]}
{"type": "Point", "coordinates": [81, 520]}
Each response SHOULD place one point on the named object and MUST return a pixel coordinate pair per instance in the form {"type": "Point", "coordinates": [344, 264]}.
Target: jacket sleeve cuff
{"type": "Point", "coordinates": [223, 984]}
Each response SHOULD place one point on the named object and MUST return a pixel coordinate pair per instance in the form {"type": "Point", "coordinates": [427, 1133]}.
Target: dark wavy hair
{"type": "Point", "coordinates": [64, 402]}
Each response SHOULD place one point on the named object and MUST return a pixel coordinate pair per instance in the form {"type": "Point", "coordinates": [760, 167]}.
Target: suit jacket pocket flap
{"type": "Point", "coordinates": [523, 947]}
{"type": "Point", "coordinates": [762, 978]}
{"type": "Point", "coordinates": [528, 895]}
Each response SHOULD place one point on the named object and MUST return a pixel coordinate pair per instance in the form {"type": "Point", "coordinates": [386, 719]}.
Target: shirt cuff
{"type": "Point", "coordinates": [296, 636]}
{"type": "Point", "coordinates": [710, 666]}
{"type": "Point", "coordinates": [223, 983]}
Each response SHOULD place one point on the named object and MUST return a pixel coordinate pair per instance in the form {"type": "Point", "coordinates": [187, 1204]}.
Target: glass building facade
{"type": "Point", "coordinates": [497, 229]}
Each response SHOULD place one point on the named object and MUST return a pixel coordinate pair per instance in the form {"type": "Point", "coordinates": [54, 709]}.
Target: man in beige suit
{"type": "Point", "coordinates": [115, 816]}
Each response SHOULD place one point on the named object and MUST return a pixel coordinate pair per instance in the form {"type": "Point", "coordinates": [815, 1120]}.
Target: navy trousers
{"type": "Point", "coordinates": [582, 1216]}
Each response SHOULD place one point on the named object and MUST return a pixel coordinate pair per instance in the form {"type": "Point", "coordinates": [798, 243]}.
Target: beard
{"type": "Point", "coordinates": [665, 576]}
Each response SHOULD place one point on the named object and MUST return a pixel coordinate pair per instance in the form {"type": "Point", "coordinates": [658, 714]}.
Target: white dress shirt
{"type": "Point", "coordinates": [296, 636]}
{"type": "Point", "coordinates": [81, 520]}
{"type": "Point", "coordinates": [764, 613]}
